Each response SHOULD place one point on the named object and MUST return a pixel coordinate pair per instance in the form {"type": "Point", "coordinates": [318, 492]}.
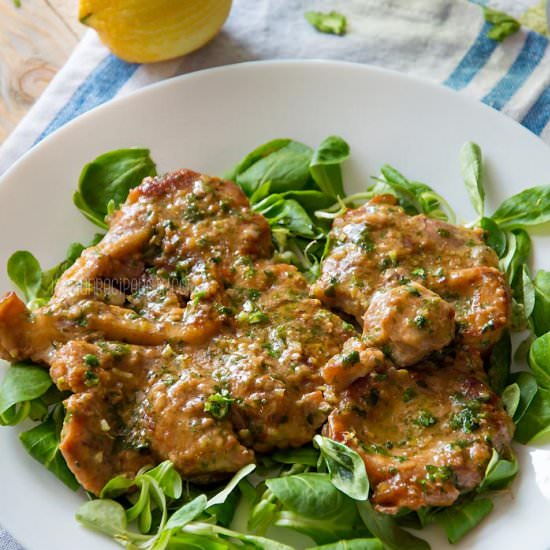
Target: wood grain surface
{"type": "Point", "coordinates": [35, 40]}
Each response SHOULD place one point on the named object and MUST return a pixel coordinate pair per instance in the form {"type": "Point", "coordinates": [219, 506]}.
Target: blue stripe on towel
{"type": "Point", "coordinates": [539, 114]}
{"type": "Point", "coordinates": [473, 61]}
{"type": "Point", "coordinates": [101, 85]}
{"type": "Point", "coordinates": [526, 62]}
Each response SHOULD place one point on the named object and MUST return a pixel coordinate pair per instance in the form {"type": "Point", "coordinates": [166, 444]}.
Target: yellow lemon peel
{"type": "Point", "coordinates": [142, 31]}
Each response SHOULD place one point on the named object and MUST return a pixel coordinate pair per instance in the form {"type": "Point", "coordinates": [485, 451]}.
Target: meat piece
{"type": "Point", "coordinates": [264, 369]}
{"type": "Point", "coordinates": [185, 229]}
{"type": "Point", "coordinates": [356, 360]}
{"type": "Point", "coordinates": [378, 246]}
{"type": "Point", "coordinates": [482, 301]}
{"type": "Point", "coordinates": [426, 435]}
{"type": "Point", "coordinates": [23, 335]}
{"type": "Point", "coordinates": [408, 322]}
{"type": "Point", "coordinates": [134, 406]}
{"type": "Point", "coordinates": [180, 338]}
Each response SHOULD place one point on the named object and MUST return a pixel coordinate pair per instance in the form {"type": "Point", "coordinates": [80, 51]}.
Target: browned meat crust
{"type": "Point", "coordinates": [185, 263]}
{"type": "Point", "coordinates": [408, 322]}
{"type": "Point", "coordinates": [417, 285]}
{"type": "Point", "coordinates": [378, 246]}
{"type": "Point", "coordinates": [426, 435]}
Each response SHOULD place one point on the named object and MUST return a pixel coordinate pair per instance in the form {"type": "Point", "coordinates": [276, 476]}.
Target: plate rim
{"type": "Point", "coordinates": [135, 95]}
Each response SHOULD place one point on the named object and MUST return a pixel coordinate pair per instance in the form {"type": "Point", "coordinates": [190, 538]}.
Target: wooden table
{"type": "Point", "coordinates": [35, 40]}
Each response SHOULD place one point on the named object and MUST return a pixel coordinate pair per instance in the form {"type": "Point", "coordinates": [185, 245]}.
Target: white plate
{"type": "Point", "coordinates": [209, 120]}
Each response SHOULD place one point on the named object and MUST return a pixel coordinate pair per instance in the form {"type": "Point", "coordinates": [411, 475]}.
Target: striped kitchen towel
{"type": "Point", "coordinates": [442, 40]}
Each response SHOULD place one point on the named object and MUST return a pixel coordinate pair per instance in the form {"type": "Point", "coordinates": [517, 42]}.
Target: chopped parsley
{"type": "Point", "coordinates": [439, 473]}
{"type": "Point", "coordinates": [419, 272]}
{"type": "Point", "coordinates": [467, 420]}
{"type": "Point", "coordinates": [364, 241]}
{"type": "Point", "coordinates": [218, 404]}
{"type": "Point", "coordinates": [91, 378]}
{"type": "Point", "coordinates": [330, 23]}
{"type": "Point", "coordinates": [91, 360]}
{"type": "Point", "coordinates": [425, 419]}
{"type": "Point", "coordinates": [351, 358]}
{"type": "Point", "coordinates": [252, 317]}
{"type": "Point", "coordinates": [420, 321]}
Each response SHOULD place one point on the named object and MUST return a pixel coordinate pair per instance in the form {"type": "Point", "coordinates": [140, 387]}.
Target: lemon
{"type": "Point", "coordinates": [144, 31]}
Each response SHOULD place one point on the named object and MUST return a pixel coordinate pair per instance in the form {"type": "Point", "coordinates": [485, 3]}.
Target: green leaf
{"type": "Point", "coordinates": [168, 479]}
{"type": "Point", "coordinates": [109, 178]}
{"type": "Point", "coordinates": [519, 258]}
{"type": "Point", "coordinates": [25, 272]}
{"type": "Point", "coordinates": [95, 218]}
{"type": "Point", "coordinates": [471, 166]}
{"type": "Point", "coordinates": [528, 292]}
{"type": "Point", "coordinates": [42, 443]}
{"type": "Point", "coordinates": [262, 543]}
{"type": "Point", "coordinates": [345, 467]}
{"type": "Point", "coordinates": [232, 484]}
{"type": "Point", "coordinates": [385, 528]}
{"type": "Point", "coordinates": [506, 259]}
{"type": "Point", "coordinates": [539, 360]}
{"type": "Point", "coordinates": [190, 541]}
{"type": "Point", "coordinates": [23, 382]}
{"type": "Point", "coordinates": [530, 207]}
{"type": "Point", "coordinates": [325, 165]}
{"type": "Point", "coordinates": [225, 512]}
{"type": "Point", "coordinates": [499, 473]}
{"type": "Point", "coordinates": [264, 511]}
{"type": "Point", "coordinates": [534, 426]}
{"type": "Point", "coordinates": [50, 277]}
{"type": "Point", "coordinates": [331, 22]}
{"type": "Point", "coordinates": [187, 513]}
{"type": "Point", "coordinates": [518, 277]}
{"type": "Point", "coordinates": [499, 363]}
{"type": "Point", "coordinates": [510, 399]}
{"type": "Point", "coordinates": [291, 216]}
{"type": "Point", "coordinates": [310, 199]}
{"type": "Point", "coordinates": [400, 187]}
{"type": "Point", "coordinates": [311, 494]}
{"type": "Point", "coordinates": [106, 516]}
{"type": "Point", "coordinates": [116, 486]}
{"type": "Point", "coordinates": [143, 501]}
{"type": "Point", "coordinates": [253, 157]}
{"type": "Point", "coordinates": [341, 525]}
{"type": "Point", "coordinates": [353, 544]}
{"type": "Point", "coordinates": [504, 25]}
{"type": "Point", "coordinates": [307, 456]}
{"type": "Point", "coordinates": [460, 520]}
{"type": "Point", "coordinates": [261, 193]}
{"type": "Point", "coordinates": [286, 167]}
{"type": "Point", "coordinates": [494, 236]}
{"type": "Point", "coordinates": [413, 196]}
{"type": "Point", "coordinates": [541, 309]}
{"type": "Point", "coordinates": [527, 391]}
